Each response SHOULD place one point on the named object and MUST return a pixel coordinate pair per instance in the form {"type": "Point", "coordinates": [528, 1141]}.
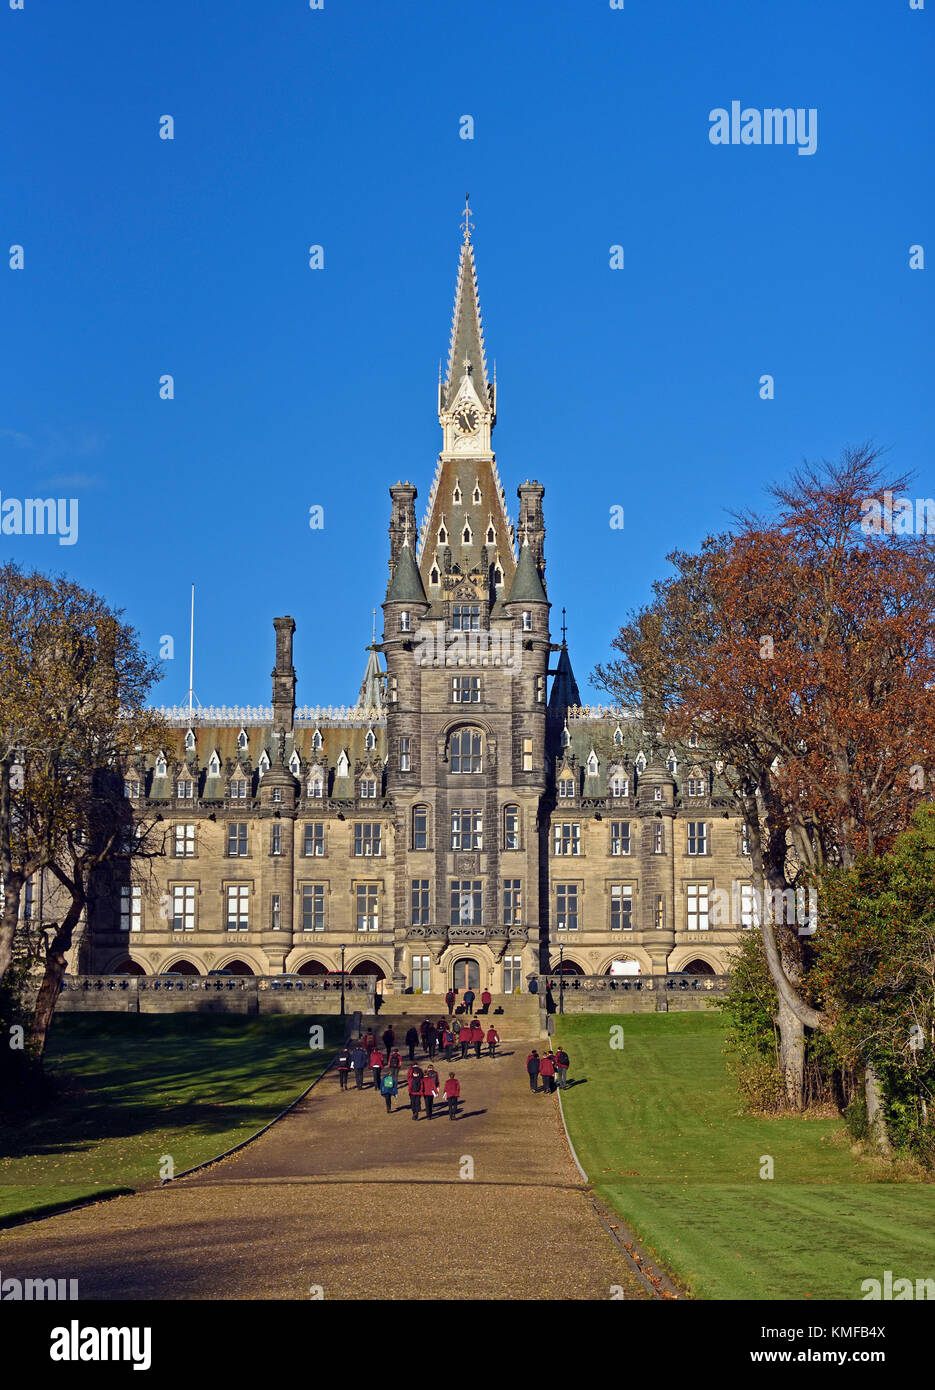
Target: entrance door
{"type": "Point", "coordinates": [467, 975]}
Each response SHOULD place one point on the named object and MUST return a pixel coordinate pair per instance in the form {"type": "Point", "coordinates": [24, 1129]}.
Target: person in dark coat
{"type": "Point", "coordinates": [449, 1041]}
{"type": "Point", "coordinates": [389, 1037]}
{"type": "Point", "coordinates": [344, 1066]}
{"type": "Point", "coordinates": [450, 1001]}
{"type": "Point", "coordinates": [424, 1027]}
{"type": "Point", "coordinates": [370, 1041]}
{"type": "Point", "coordinates": [468, 1000]}
{"type": "Point", "coordinates": [376, 1063]}
{"type": "Point", "coordinates": [431, 1040]}
{"type": "Point", "coordinates": [429, 1089]}
{"type": "Point", "coordinates": [547, 1072]}
{"type": "Point", "coordinates": [451, 1092]}
{"type": "Point", "coordinates": [477, 1036]}
{"type": "Point", "coordinates": [532, 1067]}
{"type": "Point", "coordinates": [359, 1060]}
{"type": "Point", "coordinates": [394, 1063]}
{"type": "Point", "coordinates": [486, 1000]}
{"type": "Point", "coordinates": [561, 1068]}
{"type": "Point", "coordinates": [412, 1042]}
{"type": "Point", "coordinates": [414, 1086]}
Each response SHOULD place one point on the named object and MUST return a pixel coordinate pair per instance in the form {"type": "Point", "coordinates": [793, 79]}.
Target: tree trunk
{"type": "Point", "coordinates": [8, 923]}
{"type": "Point", "coordinates": [791, 1055]}
{"type": "Point", "coordinates": [51, 987]}
{"type": "Point", "coordinates": [877, 1135]}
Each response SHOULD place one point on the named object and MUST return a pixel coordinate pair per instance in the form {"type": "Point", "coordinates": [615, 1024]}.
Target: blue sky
{"type": "Point", "coordinates": [293, 387]}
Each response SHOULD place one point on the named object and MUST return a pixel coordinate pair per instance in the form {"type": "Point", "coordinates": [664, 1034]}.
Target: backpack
{"type": "Point", "coordinates": [415, 1080]}
{"type": "Point", "coordinates": [387, 1085]}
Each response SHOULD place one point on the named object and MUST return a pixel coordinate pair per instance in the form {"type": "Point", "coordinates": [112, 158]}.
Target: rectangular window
{"type": "Point", "coordinates": [419, 916]}
{"type": "Point", "coordinates": [512, 902]}
{"type": "Point", "coordinates": [511, 828]}
{"type": "Point", "coordinates": [466, 902]}
{"type": "Point", "coordinates": [619, 786]}
{"type": "Point", "coordinates": [404, 625]}
{"type": "Point", "coordinates": [465, 750]}
{"type": "Point", "coordinates": [131, 908]}
{"type": "Point", "coordinates": [695, 786]}
{"type": "Point", "coordinates": [527, 620]}
{"type": "Point", "coordinates": [749, 917]}
{"type": "Point", "coordinates": [566, 838]}
{"type": "Point", "coordinates": [237, 839]}
{"type": "Point", "coordinates": [29, 896]}
{"type": "Point", "coordinates": [367, 839]}
{"type": "Point", "coordinates": [313, 907]}
{"type": "Point", "coordinates": [697, 837]}
{"type": "Point", "coordinates": [314, 842]}
{"type": "Point", "coordinates": [421, 973]}
{"type": "Point", "coordinates": [405, 753]}
{"type": "Point", "coordinates": [131, 789]}
{"type": "Point", "coordinates": [238, 907]}
{"type": "Point", "coordinates": [527, 755]}
{"type": "Point", "coordinates": [620, 837]}
{"type": "Point", "coordinates": [184, 842]}
{"type": "Point", "coordinates": [368, 916]}
{"type": "Point", "coordinates": [420, 828]}
{"type": "Point", "coordinates": [465, 617]}
{"type": "Point", "coordinates": [566, 904]}
{"type": "Point", "coordinates": [745, 840]}
{"type": "Point", "coordinates": [512, 973]}
{"type": "Point", "coordinates": [566, 787]}
{"type": "Point", "coordinates": [316, 787]}
{"type": "Point", "coordinates": [276, 840]}
{"type": "Point", "coordinates": [275, 911]}
{"type": "Point", "coordinates": [621, 907]}
{"type": "Point", "coordinates": [183, 909]}
{"type": "Point", "coordinates": [659, 913]}
{"type": "Point", "coordinates": [277, 793]}
{"type": "Point", "coordinates": [659, 837]}
{"type": "Point", "coordinates": [540, 690]}
{"type": "Point", "coordinates": [368, 789]}
{"type": "Point", "coordinates": [239, 789]}
{"type": "Point", "coordinates": [185, 790]}
{"type": "Point", "coordinates": [697, 907]}
{"type": "Point", "coordinates": [467, 829]}
{"type": "Point", "coordinates": [465, 690]}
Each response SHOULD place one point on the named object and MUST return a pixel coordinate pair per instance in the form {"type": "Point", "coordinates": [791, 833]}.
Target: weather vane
{"type": "Point", "coordinates": [466, 218]}
{"type": "Point", "coordinates": [563, 625]}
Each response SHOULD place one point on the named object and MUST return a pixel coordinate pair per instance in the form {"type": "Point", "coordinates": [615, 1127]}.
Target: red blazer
{"type": "Point", "coordinates": [452, 1087]}
{"type": "Point", "coordinates": [492, 1035]}
{"type": "Point", "coordinates": [376, 1058]}
{"type": "Point", "coordinates": [430, 1086]}
{"type": "Point", "coordinates": [477, 1034]}
{"type": "Point", "coordinates": [547, 1065]}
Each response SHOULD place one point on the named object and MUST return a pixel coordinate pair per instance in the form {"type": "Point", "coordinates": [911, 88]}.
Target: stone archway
{"type": "Point", "coordinates": [180, 967]}
{"type": "Point", "coordinates": [127, 967]}
{"type": "Point", "coordinates": [237, 967]}
{"type": "Point", "coordinates": [312, 967]}
{"type": "Point", "coordinates": [698, 967]}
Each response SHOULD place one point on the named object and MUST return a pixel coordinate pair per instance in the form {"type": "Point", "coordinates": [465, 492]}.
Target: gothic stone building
{"type": "Point", "coordinates": [465, 822]}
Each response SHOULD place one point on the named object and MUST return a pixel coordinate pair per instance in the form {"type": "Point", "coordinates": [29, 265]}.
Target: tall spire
{"type": "Point", "coordinates": [466, 348]}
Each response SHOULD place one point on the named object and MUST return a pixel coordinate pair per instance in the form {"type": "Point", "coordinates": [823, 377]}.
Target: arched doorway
{"type": "Point", "coordinates": [128, 967]}
{"type": "Point", "coordinates": [237, 967]}
{"type": "Point", "coordinates": [368, 967]}
{"type": "Point", "coordinates": [698, 967]}
{"type": "Point", "coordinates": [467, 974]}
{"type": "Point", "coordinates": [312, 967]}
{"type": "Point", "coordinates": [568, 967]}
{"type": "Point", "coordinates": [181, 967]}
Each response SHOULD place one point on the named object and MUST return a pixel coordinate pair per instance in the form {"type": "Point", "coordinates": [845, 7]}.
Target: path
{"type": "Point", "coordinates": [362, 1204]}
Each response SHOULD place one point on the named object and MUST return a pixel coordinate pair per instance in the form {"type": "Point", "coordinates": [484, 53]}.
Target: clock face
{"type": "Point", "coordinates": [466, 419]}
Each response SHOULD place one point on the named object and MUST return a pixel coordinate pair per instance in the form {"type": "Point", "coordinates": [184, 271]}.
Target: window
{"type": "Point", "coordinates": [618, 735]}
{"type": "Point", "coordinates": [566, 787]}
{"type": "Point", "coordinates": [277, 793]}
{"type": "Point", "coordinates": [693, 740]}
{"type": "Point", "coordinates": [620, 837]}
{"type": "Point", "coordinates": [185, 789]}
{"type": "Point", "coordinates": [621, 907]}
{"type": "Point", "coordinates": [745, 840]}
{"type": "Point", "coordinates": [367, 839]}
{"type": "Point", "coordinates": [370, 741]}
{"type": "Point", "coordinates": [183, 909]}
{"type": "Point", "coordinates": [512, 902]}
{"type": "Point", "coordinates": [697, 837]}
{"type": "Point", "coordinates": [527, 621]}
{"type": "Point", "coordinates": [239, 789]}
{"type": "Point", "coordinates": [368, 789]}
{"type": "Point", "coordinates": [131, 789]}
{"type": "Point", "coordinates": [392, 689]}
{"type": "Point", "coordinates": [466, 902]}
{"type": "Point", "coordinates": [527, 755]}
{"type": "Point", "coordinates": [419, 916]}
{"type": "Point", "coordinates": [316, 739]}
{"type": "Point", "coordinates": [313, 907]}
{"type": "Point", "coordinates": [749, 917]}
{"type": "Point", "coordinates": [465, 751]}
{"type": "Point", "coordinates": [404, 620]}
{"type": "Point", "coordinates": [467, 829]}
{"type": "Point", "coordinates": [28, 901]}
{"type": "Point", "coordinates": [275, 911]}
{"type": "Point", "coordinates": [184, 842]}
{"type": "Point", "coordinates": [131, 908]}
{"type": "Point", "coordinates": [242, 739]}
{"type": "Point", "coordinates": [697, 907]}
{"type": "Point", "coordinates": [696, 786]}
{"type": "Point", "coordinates": [672, 764]}
{"type": "Point", "coordinates": [421, 973]}
{"type": "Point", "coordinates": [465, 690]}
{"type": "Point", "coordinates": [465, 617]}
{"type": "Point", "coordinates": [619, 786]}
{"type": "Point", "coordinates": [405, 754]}
{"type": "Point", "coordinates": [566, 903]}
{"type": "Point", "coordinates": [313, 846]}
{"type": "Point", "coordinates": [511, 827]}
{"type": "Point", "coordinates": [659, 913]}
{"type": "Point", "coordinates": [276, 840]}
{"type": "Point", "coordinates": [659, 838]}
{"type": "Point", "coordinates": [190, 741]}
{"type": "Point", "coordinates": [420, 827]}
{"type": "Point", "coordinates": [540, 690]}
{"type": "Point", "coordinates": [238, 907]}
{"type": "Point", "coordinates": [512, 973]}
{"type": "Point", "coordinates": [592, 764]}
{"type": "Point", "coordinates": [237, 839]}
{"type": "Point", "coordinates": [566, 838]}
{"type": "Point", "coordinates": [368, 916]}
{"type": "Point", "coordinates": [316, 786]}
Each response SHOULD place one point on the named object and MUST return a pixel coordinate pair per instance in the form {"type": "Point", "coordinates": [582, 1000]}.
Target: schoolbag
{"type": "Point", "coordinates": [415, 1080]}
{"type": "Point", "coordinates": [387, 1084]}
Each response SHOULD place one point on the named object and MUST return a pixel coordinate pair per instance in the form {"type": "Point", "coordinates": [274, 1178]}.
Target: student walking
{"type": "Point", "coordinates": [464, 1038]}
{"type": "Point", "coordinates": [449, 1043]}
{"type": "Point", "coordinates": [532, 1067]}
{"type": "Point", "coordinates": [376, 1065]}
{"type": "Point", "coordinates": [395, 1062]}
{"type": "Point", "coordinates": [561, 1068]}
{"type": "Point", "coordinates": [359, 1063]}
{"type": "Point", "coordinates": [451, 1092]}
{"type": "Point", "coordinates": [468, 1000]}
{"type": "Point", "coordinates": [424, 1027]}
{"type": "Point", "coordinates": [412, 1042]}
{"type": "Point", "coordinates": [450, 1001]}
{"type": "Point", "coordinates": [429, 1089]}
{"type": "Point", "coordinates": [389, 1037]}
{"type": "Point", "coordinates": [493, 1037]}
{"type": "Point", "coordinates": [477, 1036]}
{"type": "Point", "coordinates": [486, 1000]}
{"type": "Point", "coordinates": [431, 1040]}
{"type": "Point", "coordinates": [370, 1042]}
{"type": "Point", "coordinates": [414, 1086]}
{"type": "Point", "coordinates": [344, 1066]}
{"type": "Point", "coordinates": [389, 1089]}
{"type": "Point", "coordinates": [547, 1072]}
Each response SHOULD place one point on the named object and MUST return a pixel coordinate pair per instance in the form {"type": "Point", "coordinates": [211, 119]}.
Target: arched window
{"type": "Point", "coordinates": [316, 739]}
{"type": "Point", "coordinates": [465, 751]}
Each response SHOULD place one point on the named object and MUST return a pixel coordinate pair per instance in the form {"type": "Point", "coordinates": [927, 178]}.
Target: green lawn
{"type": "Point", "coordinates": [657, 1130]}
{"type": "Point", "coordinates": [143, 1086]}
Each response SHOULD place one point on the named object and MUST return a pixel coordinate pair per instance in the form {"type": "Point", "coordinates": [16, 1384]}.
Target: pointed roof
{"type": "Point", "coordinates": [371, 688]}
{"type": "Point", "coordinates": [564, 688]}
{"type": "Point", "coordinates": [466, 347]}
{"type": "Point", "coordinates": [527, 585]}
{"type": "Point", "coordinates": [406, 584]}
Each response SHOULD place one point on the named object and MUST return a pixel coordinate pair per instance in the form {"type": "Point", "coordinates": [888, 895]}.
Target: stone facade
{"type": "Point", "coordinates": [464, 822]}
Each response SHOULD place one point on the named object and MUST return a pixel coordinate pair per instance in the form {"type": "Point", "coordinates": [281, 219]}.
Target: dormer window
{"type": "Point", "coordinates": [693, 740]}
{"type": "Point", "coordinates": [295, 764]}
{"type": "Point", "coordinates": [316, 739]}
{"type": "Point", "coordinates": [161, 766]}
{"type": "Point", "coordinates": [566, 787]}
{"type": "Point", "coordinates": [263, 764]}
{"type": "Point", "coordinates": [641, 762]}
{"type": "Point", "coordinates": [466, 537]}
{"type": "Point", "coordinates": [370, 741]}
{"type": "Point", "coordinates": [618, 735]}
{"type": "Point", "coordinates": [316, 783]}
{"type": "Point", "coordinates": [404, 621]}
{"type": "Point", "coordinates": [214, 765]}
{"type": "Point", "coordinates": [242, 740]}
{"type": "Point", "coordinates": [190, 741]}
{"type": "Point", "coordinates": [368, 788]}
{"type": "Point", "coordinates": [184, 789]}
{"type": "Point", "coordinates": [527, 620]}
{"type": "Point", "coordinates": [592, 764]}
{"type": "Point", "coordinates": [131, 788]}
{"type": "Point", "coordinates": [456, 495]}
{"type": "Point", "coordinates": [498, 576]}
{"type": "Point", "coordinates": [343, 767]}
{"type": "Point", "coordinates": [619, 786]}
{"type": "Point", "coordinates": [566, 737]}
{"type": "Point", "coordinates": [238, 788]}
{"type": "Point", "coordinates": [672, 763]}
{"type": "Point", "coordinates": [491, 538]}
{"type": "Point", "coordinates": [442, 536]}
{"type": "Point", "coordinates": [434, 577]}
{"type": "Point", "coordinates": [477, 492]}
{"type": "Point", "coordinates": [695, 786]}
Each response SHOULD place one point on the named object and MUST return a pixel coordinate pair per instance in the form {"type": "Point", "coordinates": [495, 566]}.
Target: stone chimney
{"type": "Point", "coordinates": [283, 674]}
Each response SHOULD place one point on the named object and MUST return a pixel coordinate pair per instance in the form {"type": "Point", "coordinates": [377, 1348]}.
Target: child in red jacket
{"type": "Point", "coordinates": [451, 1092]}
